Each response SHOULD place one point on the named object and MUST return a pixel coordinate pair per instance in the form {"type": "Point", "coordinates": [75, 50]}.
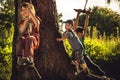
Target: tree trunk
{"type": "Point", "coordinates": [51, 60]}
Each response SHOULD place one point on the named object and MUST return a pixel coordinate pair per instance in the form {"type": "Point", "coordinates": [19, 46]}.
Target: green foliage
{"type": "Point", "coordinates": [110, 1]}
{"type": "Point", "coordinates": [99, 49]}
{"type": "Point", "coordinates": [6, 36]}
{"type": "Point", "coordinates": [6, 53]}
{"type": "Point", "coordinates": [5, 72]}
{"type": "Point", "coordinates": [104, 19]}
{"type": "Point", "coordinates": [6, 13]}
{"type": "Point", "coordinates": [102, 48]}
{"type": "Point", "coordinates": [116, 52]}
{"type": "Point", "coordinates": [60, 21]}
{"type": "Point", "coordinates": [116, 49]}
{"type": "Point", "coordinates": [67, 47]}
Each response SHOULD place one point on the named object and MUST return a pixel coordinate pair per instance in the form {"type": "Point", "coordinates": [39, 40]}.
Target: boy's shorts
{"type": "Point", "coordinates": [78, 56]}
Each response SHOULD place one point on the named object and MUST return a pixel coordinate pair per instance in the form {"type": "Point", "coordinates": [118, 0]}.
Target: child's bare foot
{"type": "Point", "coordinates": [84, 66]}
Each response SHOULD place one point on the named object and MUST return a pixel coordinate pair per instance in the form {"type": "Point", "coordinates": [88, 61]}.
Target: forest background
{"type": "Point", "coordinates": [102, 40]}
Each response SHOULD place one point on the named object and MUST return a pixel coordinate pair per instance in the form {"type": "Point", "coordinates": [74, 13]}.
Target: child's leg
{"type": "Point", "coordinates": [30, 43]}
{"type": "Point", "coordinates": [28, 47]}
{"type": "Point", "coordinates": [20, 50]}
{"type": "Point", "coordinates": [79, 59]}
{"type": "Point", "coordinates": [21, 46]}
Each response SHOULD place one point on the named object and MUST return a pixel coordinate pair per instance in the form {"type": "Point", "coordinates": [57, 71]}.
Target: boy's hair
{"type": "Point", "coordinates": [69, 22]}
{"type": "Point", "coordinates": [79, 29]}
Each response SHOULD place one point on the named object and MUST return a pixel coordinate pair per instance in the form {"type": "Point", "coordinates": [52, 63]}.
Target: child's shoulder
{"type": "Point", "coordinates": [66, 32]}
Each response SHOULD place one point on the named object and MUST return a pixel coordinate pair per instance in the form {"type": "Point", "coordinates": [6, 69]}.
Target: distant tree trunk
{"type": "Point", "coordinates": [51, 59]}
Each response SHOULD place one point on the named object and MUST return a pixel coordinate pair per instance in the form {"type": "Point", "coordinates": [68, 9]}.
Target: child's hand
{"type": "Point", "coordinates": [30, 15]}
{"type": "Point", "coordinates": [61, 39]}
{"type": "Point", "coordinates": [58, 39]}
{"type": "Point", "coordinates": [64, 37]}
{"type": "Point", "coordinates": [89, 12]}
{"type": "Point", "coordinates": [78, 10]}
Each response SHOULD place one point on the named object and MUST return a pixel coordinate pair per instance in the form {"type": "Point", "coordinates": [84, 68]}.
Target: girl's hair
{"type": "Point", "coordinates": [27, 5]}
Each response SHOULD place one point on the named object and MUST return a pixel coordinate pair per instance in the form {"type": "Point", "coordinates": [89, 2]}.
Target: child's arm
{"type": "Point", "coordinates": [22, 25]}
{"type": "Point", "coordinates": [61, 39]}
{"type": "Point", "coordinates": [77, 18]}
{"type": "Point", "coordinates": [34, 18]}
{"type": "Point", "coordinates": [86, 23]}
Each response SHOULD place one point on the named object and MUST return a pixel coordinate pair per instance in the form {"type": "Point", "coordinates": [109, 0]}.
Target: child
{"type": "Point", "coordinates": [81, 32]}
{"type": "Point", "coordinates": [77, 56]}
{"type": "Point", "coordinates": [28, 39]}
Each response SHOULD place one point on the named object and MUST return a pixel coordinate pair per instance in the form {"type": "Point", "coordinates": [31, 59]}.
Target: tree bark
{"type": "Point", "coordinates": [51, 60]}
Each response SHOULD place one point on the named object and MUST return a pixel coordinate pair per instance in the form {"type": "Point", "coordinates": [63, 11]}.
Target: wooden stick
{"type": "Point", "coordinates": [83, 11]}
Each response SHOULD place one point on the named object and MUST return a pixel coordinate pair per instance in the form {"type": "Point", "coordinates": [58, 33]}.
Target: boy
{"type": "Point", "coordinates": [77, 47]}
{"type": "Point", "coordinates": [81, 32]}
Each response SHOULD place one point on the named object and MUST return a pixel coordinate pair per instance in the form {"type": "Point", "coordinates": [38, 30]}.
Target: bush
{"type": "Point", "coordinates": [5, 71]}
{"type": "Point", "coordinates": [6, 53]}
{"type": "Point", "coordinates": [102, 49]}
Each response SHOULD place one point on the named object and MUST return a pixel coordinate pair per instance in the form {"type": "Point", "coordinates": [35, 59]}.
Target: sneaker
{"type": "Point", "coordinates": [106, 78]}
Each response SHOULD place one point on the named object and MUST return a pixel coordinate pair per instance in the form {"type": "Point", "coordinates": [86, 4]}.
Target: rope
{"type": "Point", "coordinates": [30, 1]}
{"type": "Point", "coordinates": [36, 71]}
{"type": "Point", "coordinates": [85, 4]}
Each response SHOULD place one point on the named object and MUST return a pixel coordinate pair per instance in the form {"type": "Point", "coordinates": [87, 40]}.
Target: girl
{"type": "Point", "coordinates": [28, 40]}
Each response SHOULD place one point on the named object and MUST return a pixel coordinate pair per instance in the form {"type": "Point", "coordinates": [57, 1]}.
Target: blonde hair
{"type": "Point", "coordinates": [26, 5]}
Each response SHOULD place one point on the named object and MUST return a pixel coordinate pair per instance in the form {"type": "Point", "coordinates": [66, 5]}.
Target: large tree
{"type": "Point", "coordinates": [51, 59]}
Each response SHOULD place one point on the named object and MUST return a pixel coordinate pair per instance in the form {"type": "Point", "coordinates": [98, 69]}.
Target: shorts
{"type": "Point", "coordinates": [78, 56]}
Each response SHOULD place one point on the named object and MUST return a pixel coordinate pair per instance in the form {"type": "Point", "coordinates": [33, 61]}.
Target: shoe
{"type": "Point", "coordinates": [106, 78]}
